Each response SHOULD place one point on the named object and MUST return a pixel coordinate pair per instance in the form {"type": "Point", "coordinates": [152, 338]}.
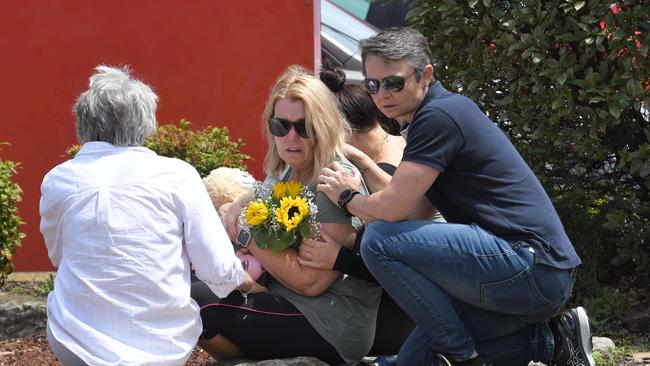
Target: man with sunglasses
{"type": "Point", "coordinates": [482, 287]}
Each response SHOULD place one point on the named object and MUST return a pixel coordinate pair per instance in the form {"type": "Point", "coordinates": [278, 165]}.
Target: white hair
{"type": "Point", "coordinates": [116, 108]}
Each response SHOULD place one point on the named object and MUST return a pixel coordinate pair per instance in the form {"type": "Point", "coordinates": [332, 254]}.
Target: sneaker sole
{"type": "Point", "coordinates": [584, 333]}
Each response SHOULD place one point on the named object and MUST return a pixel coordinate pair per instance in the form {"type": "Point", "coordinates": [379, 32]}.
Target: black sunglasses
{"type": "Point", "coordinates": [392, 83]}
{"type": "Point", "coordinates": [281, 126]}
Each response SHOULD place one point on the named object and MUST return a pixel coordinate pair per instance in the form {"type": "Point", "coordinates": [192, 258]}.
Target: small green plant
{"type": "Point", "coordinates": [205, 150]}
{"type": "Point", "coordinates": [44, 288]}
{"type": "Point", "coordinates": [10, 235]}
{"type": "Point", "coordinates": [612, 357]}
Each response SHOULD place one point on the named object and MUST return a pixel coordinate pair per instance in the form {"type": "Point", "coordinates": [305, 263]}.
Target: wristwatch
{"type": "Point", "coordinates": [244, 237]}
{"type": "Point", "coordinates": [344, 198]}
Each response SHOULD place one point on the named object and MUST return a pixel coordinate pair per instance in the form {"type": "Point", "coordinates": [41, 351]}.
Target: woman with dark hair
{"type": "Point", "coordinates": [355, 103]}
{"type": "Point", "coordinates": [372, 132]}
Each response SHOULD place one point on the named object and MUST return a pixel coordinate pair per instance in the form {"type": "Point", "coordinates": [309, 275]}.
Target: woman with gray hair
{"type": "Point", "coordinates": [122, 225]}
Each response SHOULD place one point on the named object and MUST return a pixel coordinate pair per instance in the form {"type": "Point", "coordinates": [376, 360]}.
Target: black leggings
{"type": "Point", "coordinates": [265, 326]}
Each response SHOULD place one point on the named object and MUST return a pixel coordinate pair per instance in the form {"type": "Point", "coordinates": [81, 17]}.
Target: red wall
{"type": "Point", "coordinates": [211, 62]}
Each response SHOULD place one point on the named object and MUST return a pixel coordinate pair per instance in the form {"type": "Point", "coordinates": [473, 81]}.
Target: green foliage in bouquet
{"type": "Point", "coordinates": [205, 150]}
{"type": "Point", "coordinates": [10, 235]}
{"type": "Point", "coordinates": [568, 81]}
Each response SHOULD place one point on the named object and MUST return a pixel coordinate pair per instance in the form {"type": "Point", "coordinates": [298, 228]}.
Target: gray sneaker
{"type": "Point", "coordinates": [572, 338]}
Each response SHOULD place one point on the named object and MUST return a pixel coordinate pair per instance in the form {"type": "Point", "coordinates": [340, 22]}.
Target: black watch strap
{"type": "Point", "coordinates": [344, 198]}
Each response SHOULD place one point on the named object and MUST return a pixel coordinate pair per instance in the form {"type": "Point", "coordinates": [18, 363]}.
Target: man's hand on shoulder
{"type": "Point", "coordinates": [335, 179]}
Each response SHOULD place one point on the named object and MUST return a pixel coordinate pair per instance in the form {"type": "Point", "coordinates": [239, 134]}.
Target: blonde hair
{"type": "Point", "coordinates": [324, 122]}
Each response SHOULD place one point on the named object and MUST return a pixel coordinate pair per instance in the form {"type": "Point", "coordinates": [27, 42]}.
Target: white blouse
{"type": "Point", "coordinates": [122, 225]}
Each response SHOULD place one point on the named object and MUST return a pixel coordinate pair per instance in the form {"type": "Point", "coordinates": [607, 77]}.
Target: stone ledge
{"type": "Point", "coordinates": [21, 316]}
{"type": "Point", "coordinates": [296, 361]}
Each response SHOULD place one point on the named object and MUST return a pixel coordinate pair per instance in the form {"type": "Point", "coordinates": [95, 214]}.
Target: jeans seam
{"type": "Point", "coordinates": [408, 240]}
{"type": "Point", "coordinates": [419, 300]}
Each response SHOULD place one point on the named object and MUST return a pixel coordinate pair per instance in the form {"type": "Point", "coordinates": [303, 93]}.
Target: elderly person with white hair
{"type": "Point", "coordinates": [122, 225]}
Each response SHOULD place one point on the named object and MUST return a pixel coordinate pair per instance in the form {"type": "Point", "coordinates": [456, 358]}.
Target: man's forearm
{"type": "Point", "coordinates": [377, 206]}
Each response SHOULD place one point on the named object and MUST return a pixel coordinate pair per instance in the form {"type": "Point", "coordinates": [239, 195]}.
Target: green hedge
{"type": "Point", "coordinates": [205, 149]}
{"type": "Point", "coordinates": [568, 81]}
{"type": "Point", "coordinates": [10, 235]}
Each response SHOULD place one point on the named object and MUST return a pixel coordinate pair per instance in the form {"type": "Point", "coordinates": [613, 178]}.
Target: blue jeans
{"type": "Point", "coordinates": [466, 289]}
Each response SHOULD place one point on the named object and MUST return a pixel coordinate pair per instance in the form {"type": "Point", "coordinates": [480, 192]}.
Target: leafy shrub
{"type": "Point", "coordinates": [607, 307]}
{"type": "Point", "coordinates": [10, 235]}
{"type": "Point", "coordinates": [205, 150]}
{"type": "Point", "coordinates": [568, 81]}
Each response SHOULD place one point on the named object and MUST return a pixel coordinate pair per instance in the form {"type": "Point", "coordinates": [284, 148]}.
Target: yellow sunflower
{"type": "Point", "coordinates": [279, 190]}
{"type": "Point", "coordinates": [284, 189]}
{"type": "Point", "coordinates": [293, 188]}
{"type": "Point", "coordinates": [256, 213]}
{"type": "Point", "coordinates": [291, 212]}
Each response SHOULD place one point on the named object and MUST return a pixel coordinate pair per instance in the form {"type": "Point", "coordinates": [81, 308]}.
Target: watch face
{"type": "Point", "coordinates": [342, 197]}
{"type": "Point", "coordinates": [243, 237]}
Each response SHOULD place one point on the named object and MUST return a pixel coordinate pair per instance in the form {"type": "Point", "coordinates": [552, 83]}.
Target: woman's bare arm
{"type": "Point", "coordinates": [376, 179]}
{"type": "Point", "coordinates": [284, 265]}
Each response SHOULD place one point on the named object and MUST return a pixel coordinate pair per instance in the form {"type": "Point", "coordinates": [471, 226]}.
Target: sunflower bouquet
{"type": "Point", "coordinates": [281, 215]}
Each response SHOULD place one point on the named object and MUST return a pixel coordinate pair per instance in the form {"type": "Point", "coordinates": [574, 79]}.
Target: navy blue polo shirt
{"type": "Point", "coordinates": [483, 179]}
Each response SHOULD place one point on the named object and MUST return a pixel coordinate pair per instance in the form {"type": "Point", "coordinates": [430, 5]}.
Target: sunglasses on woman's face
{"type": "Point", "coordinates": [280, 127]}
{"type": "Point", "coordinates": [392, 83]}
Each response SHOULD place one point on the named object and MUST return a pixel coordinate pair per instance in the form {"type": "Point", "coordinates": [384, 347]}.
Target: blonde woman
{"type": "Point", "coordinates": [307, 312]}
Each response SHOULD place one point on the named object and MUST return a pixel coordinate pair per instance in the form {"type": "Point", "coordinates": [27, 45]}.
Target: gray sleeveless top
{"type": "Point", "coordinates": [346, 313]}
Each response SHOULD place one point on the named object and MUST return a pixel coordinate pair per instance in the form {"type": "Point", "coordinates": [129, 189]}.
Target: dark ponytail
{"type": "Point", "coordinates": [355, 102]}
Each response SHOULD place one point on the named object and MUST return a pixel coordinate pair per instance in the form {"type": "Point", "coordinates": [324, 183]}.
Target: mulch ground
{"type": "Point", "coordinates": [36, 352]}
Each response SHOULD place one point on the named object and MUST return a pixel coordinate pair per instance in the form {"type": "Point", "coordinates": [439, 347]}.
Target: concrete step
{"type": "Point", "coordinates": [29, 276]}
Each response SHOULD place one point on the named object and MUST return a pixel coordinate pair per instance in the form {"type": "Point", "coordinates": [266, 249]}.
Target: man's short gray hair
{"type": "Point", "coordinates": [116, 108]}
{"type": "Point", "coordinates": [394, 44]}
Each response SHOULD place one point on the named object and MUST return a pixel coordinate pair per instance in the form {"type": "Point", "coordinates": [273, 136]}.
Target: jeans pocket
{"type": "Point", "coordinates": [555, 284]}
{"type": "Point", "coordinates": [515, 295]}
